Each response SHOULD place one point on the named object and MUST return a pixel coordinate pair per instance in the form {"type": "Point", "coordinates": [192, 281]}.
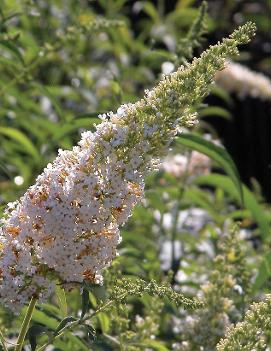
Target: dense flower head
{"type": "Point", "coordinates": [66, 226]}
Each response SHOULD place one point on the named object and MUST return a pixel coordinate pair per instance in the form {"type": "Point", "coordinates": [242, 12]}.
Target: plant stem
{"type": "Point", "coordinates": [25, 324]}
{"type": "Point", "coordinates": [3, 341]}
{"type": "Point", "coordinates": [70, 326]}
{"type": "Point", "coordinates": [175, 263]}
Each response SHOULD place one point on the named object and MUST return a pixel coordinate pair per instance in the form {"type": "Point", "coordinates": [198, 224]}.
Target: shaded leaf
{"type": "Point", "coordinates": [85, 302]}
{"type": "Point", "coordinates": [91, 332]}
{"type": "Point", "coordinates": [222, 93]}
{"type": "Point", "coordinates": [13, 49]}
{"type": "Point", "coordinates": [33, 332]}
{"type": "Point", "coordinates": [63, 323]}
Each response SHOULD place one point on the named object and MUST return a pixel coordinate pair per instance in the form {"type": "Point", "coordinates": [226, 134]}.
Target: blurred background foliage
{"type": "Point", "coordinates": [60, 66]}
{"type": "Point", "coordinates": [62, 62]}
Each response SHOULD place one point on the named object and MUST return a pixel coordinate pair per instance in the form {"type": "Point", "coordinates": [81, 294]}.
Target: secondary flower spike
{"type": "Point", "coordinates": [236, 78]}
{"type": "Point", "coordinates": [66, 226]}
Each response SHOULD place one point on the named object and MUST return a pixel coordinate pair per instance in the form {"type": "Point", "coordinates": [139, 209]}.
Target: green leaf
{"type": "Point", "coordinates": [22, 139]}
{"type": "Point", "coordinates": [9, 17]}
{"type": "Point", "coordinates": [63, 323]}
{"type": "Point", "coordinates": [13, 64]}
{"type": "Point", "coordinates": [250, 201]}
{"type": "Point", "coordinates": [104, 322]}
{"type": "Point", "coordinates": [215, 111]}
{"type": "Point", "coordinates": [200, 198]}
{"type": "Point", "coordinates": [74, 126]}
{"type": "Point", "coordinates": [50, 309]}
{"type": "Point", "coordinates": [52, 323]}
{"type": "Point", "coordinates": [91, 332]}
{"type": "Point", "coordinates": [62, 301]}
{"type": "Point", "coordinates": [222, 93]}
{"type": "Point", "coordinates": [151, 11]}
{"type": "Point", "coordinates": [156, 345]}
{"type": "Point", "coordinates": [44, 90]}
{"type": "Point", "coordinates": [263, 274]}
{"type": "Point", "coordinates": [33, 332]}
{"type": "Point", "coordinates": [13, 49]}
{"type": "Point", "coordinates": [92, 300]}
{"type": "Point", "coordinates": [4, 170]}
{"type": "Point", "coordinates": [85, 302]}
{"type": "Point", "coordinates": [2, 339]}
{"type": "Point", "coordinates": [42, 318]}
{"type": "Point", "coordinates": [156, 201]}
{"type": "Point", "coordinates": [216, 153]}
{"type": "Point", "coordinates": [79, 344]}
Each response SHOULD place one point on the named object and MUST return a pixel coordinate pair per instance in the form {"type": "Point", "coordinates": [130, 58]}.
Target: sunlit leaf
{"type": "Point", "coordinates": [215, 111]}
{"type": "Point", "coordinates": [62, 301]}
{"type": "Point", "coordinates": [104, 322]}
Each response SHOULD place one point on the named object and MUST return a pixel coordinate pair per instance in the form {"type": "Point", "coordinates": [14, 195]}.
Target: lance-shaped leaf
{"type": "Point", "coordinates": [216, 153]}
{"type": "Point", "coordinates": [264, 272]}
{"type": "Point", "coordinates": [250, 202]}
{"type": "Point", "coordinates": [20, 138]}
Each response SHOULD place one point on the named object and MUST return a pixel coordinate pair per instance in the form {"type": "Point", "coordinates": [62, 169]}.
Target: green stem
{"type": "Point", "coordinates": [21, 75]}
{"type": "Point", "coordinates": [3, 341]}
{"type": "Point", "coordinates": [25, 324]}
{"type": "Point", "coordinates": [175, 264]}
{"type": "Point", "coordinates": [70, 326]}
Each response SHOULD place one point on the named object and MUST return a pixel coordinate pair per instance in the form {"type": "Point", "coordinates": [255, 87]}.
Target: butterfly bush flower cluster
{"type": "Point", "coordinates": [236, 78]}
{"type": "Point", "coordinates": [179, 165]}
{"type": "Point", "coordinates": [66, 226]}
{"type": "Point", "coordinates": [223, 290]}
{"type": "Point", "coordinates": [190, 164]}
{"type": "Point", "coordinates": [253, 333]}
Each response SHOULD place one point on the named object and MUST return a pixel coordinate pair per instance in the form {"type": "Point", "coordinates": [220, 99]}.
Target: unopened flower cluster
{"type": "Point", "coordinates": [253, 333]}
{"type": "Point", "coordinates": [223, 296]}
{"type": "Point", "coordinates": [66, 227]}
{"type": "Point", "coordinates": [236, 78]}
